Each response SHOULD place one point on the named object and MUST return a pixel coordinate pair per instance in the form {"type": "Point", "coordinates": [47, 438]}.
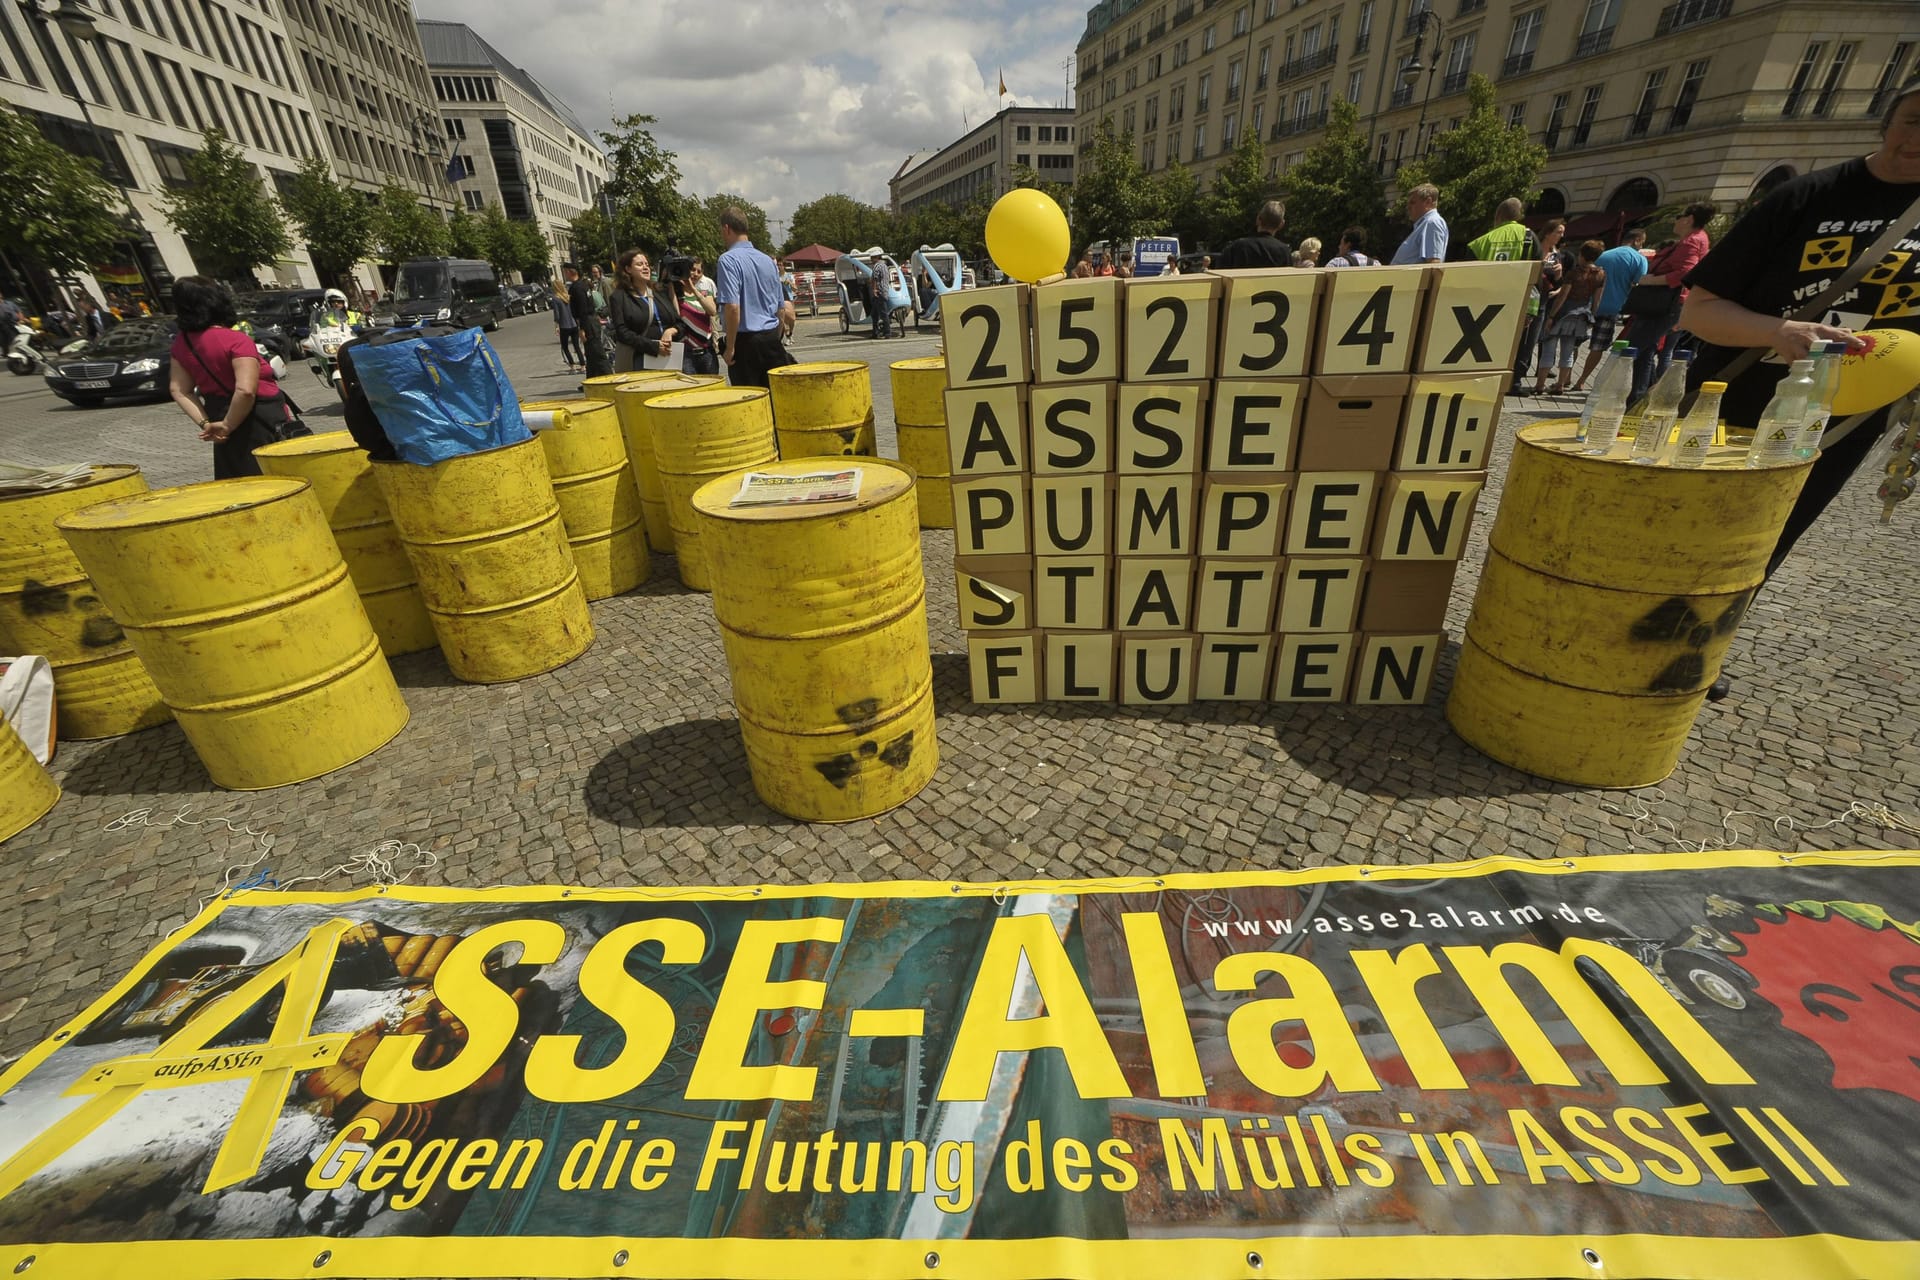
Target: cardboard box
{"type": "Point", "coordinates": [1424, 515]}
{"type": "Point", "coordinates": [1237, 596]}
{"type": "Point", "coordinates": [1153, 595]}
{"type": "Point", "coordinates": [985, 333]}
{"type": "Point", "coordinates": [1369, 320]}
{"type": "Point", "coordinates": [1155, 515]}
{"type": "Point", "coordinates": [1352, 423]}
{"type": "Point", "coordinates": [1083, 666]}
{"type": "Point", "coordinates": [1256, 425]}
{"type": "Point", "coordinates": [1159, 428]}
{"type": "Point", "coordinates": [1312, 668]}
{"type": "Point", "coordinates": [1232, 668]}
{"type": "Point", "coordinates": [1073, 593]}
{"type": "Point", "coordinates": [1172, 328]}
{"type": "Point", "coordinates": [990, 516]}
{"type": "Point", "coordinates": [1408, 595]}
{"type": "Point", "coordinates": [1266, 322]}
{"type": "Point", "coordinates": [1070, 427]}
{"type": "Point", "coordinates": [1451, 419]}
{"type": "Point", "coordinates": [1332, 513]}
{"type": "Point", "coordinates": [1072, 515]}
{"type": "Point", "coordinates": [1320, 593]}
{"type": "Point", "coordinates": [1397, 670]}
{"type": "Point", "coordinates": [995, 593]}
{"type": "Point", "coordinates": [1476, 315]}
{"type": "Point", "coordinates": [1004, 667]}
{"type": "Point", "coordinates": [1244, 515]}
{"type": "Point", "coordinates": [1157, 670]}
{"type": "Point", "coordinates": [1076, 330]}
{"type": "Point", "coordinates": [986, 431]}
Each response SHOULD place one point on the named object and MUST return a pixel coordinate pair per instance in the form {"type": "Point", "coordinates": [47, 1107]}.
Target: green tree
{"type": "Point", "coordinates": [532, 255]}
{"type": "Point", "coordinates": [404, 228]}
{"type": "Point", "coordinates": [1238, 190]}
{"type": "Point", "coordinates": [497, 241]}
{"type": "Point", "coordinates": [591, 236]}
{"type": "Point", "coordinates": [55, 209]}
{"type": "Point", "coordinates": [839, 222]}
{"type": "Point", "coordinates": [1179, 208]}
{"type": "Point", "coordinates": [465, 236]}
{"type": "Point", "coordinates": [643, 185]}
{"type": "Point", "coordinates": [1334, 185]}
{"type": "Point", "coordinates": [1477, 164]}
{"type": "Point", "coordinates": [1114, 199]}
{"type": "Point", "coordinates": [335, 220]}
{"type": "Point", "coordinates": [224, 212]}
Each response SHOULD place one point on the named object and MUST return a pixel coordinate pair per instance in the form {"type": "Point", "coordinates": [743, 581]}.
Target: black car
{"type": "Point", "coordinates": [131, 359]}
{"type": "Point", "coordinates": [283, 309]}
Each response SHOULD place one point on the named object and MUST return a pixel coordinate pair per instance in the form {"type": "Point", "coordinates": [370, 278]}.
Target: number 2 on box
{"type": "Point", "coordinates": [1164, 363]}
{"type": "Point", "coordinates": [982, 369]}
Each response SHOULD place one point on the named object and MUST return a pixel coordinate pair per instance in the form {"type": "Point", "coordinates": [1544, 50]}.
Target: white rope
{"type": "Point", "coordinates": [1643, 822]}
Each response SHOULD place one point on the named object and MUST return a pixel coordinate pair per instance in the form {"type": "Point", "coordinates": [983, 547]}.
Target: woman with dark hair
{"type": "Point", "coordinates": [636, 315]}
{"type": "Point", "coordinates": [220, 383]}
{"type": "Point", "coordinates": [1653, 324]}
{"type": "Point", "coordinates": [696, 310]}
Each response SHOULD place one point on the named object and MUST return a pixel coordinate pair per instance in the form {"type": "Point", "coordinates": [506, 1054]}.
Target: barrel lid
{"type": "Point", "coordinates": [668, 383]}
{"type": "Point", "coordinates": [574, 405]}
{"type": "Point", "coordinates": [916, 364]}
{"type": "Point", "coordinates": [1562, 436]}
{"type": "Point", "coordinates": [187, 502]}
{"type": "Point", "coordinates": [102, 473]}
{"type": "Point", "coordinates": [714, 397]}
{"type": "Point", "coordinates": [326, 442]}
{"type": "Point", "coordinates": [881, 480]}
{"type": "Point", "coordinates": [817, 368]}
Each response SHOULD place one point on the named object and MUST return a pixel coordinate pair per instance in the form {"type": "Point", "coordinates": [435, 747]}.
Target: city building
{"type": "Point", "coordinates": [512, 140]}
{"type": "Point", "coordinates": [982, 162]}
{"type": "Point", "coordinates": [1640, 104]}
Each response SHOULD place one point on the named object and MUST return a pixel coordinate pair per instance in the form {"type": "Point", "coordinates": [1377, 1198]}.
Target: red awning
{"type": "Point", "coordinates": [814, 255]}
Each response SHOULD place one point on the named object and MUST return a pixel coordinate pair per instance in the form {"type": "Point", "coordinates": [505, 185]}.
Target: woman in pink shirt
{"type": "Point", "coordinates": [1668, 268]}
{"type": "Point", "coordinates": [219, 382]}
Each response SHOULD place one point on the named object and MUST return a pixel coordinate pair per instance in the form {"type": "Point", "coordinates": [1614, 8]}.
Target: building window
{"type": "Point", "coordinates": [1266, 65]}
{"type": "Point", "coordinates": [1153, 113]}
{"type": "Point", "coordinates": [1206, 40]}
{"type": "Point", "coordinates": [1354, 84]}
{"type": "Point", "coordinates": [476, 200]}
{"type": "Point", "coordinates": [1242, 20]}
{"type": "Point", "coordinates": [1363, 29]}
{"type": "Point", "coordinates": [1133, 79]}
{"type": "Point", "coordinates": [1310, 42]}
{"type": "Point", "coordinates": [1176, 107]}
{"type": "Point", "coordinates": [1802, 77]}
{"type": "Point", "coordinates": [1153, 67]}
{"type": "Point", "coordinates": [1380, 161]}
{"type": "Point", "coordinates": [1688, 95]}
{"type": "Point", "coordinates": [1649, 103]}
{"type": "Point", "coordinates": [1233, 81]}
{"type": "Point", "coordinates": [1556, 117]}
{"type": "Point", "coordinates": [1459, 63]}
{"type": "Point", "coordinates": [1229, 130]}
{"type": "Point", "coordinates": [1596, 28]}
{"type": "Point", "coordinates": [1046, 133]}
{"type": "Point", "coordinates": [1146, 156]}
{"type": "Point", "coordinates": [1836, 72]}
{"type": "Point", "coordinates": [1523, 41]}
{"type": "Point", "coordinates": [1589, 108]}
{"type": "Point", "coordinates": [1259, 118]}
{"type": "Point", "coordinates": [456, 129]}
{"type": "Point", "coordinates": [1023, 159]}
{"type": "Point", "coordinates": [1199, 140]}
{"type": "Point", "coordinates": [1302, 109]}
{"type": "Point", "coordinates": [1517, 116]}
{"type": "Point", "coordinates": [1203, 94]}
{"type": "Point", "coordinates": [1173, 147]}
{"type": "Point", "coordinates": [1889, 78]}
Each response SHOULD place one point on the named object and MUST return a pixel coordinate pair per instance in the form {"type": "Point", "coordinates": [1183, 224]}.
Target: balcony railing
{"type": "Point", "coordinates": [1402, 95]}
{"type": "Point", "coordinates": [1133, 46]}
{"type": "Point", "coordinates": [1182, 14]}
{"type": "Point", "coordinates": [1454, 82]}
{"type": "Point", "coordinates": [1517, 64]}
{"type": "Point", "coordinates": [1470, 6]}
{"type": "Point", "coordinates": [1416, 20]}
{"type": "Point", "coordinates": [1593, 42]}
{"type": "Point", "coordinates": [1233, 94]}
{"type": "Point", "coordinates": [1155, 32]}
{"type": "Point", "coordinates": [1286, 127]}
{"type": "Point", "coordinates": [1260, 82]}
{"type": "Point", "coordinates": [1360, 43]}
{"type": "Point", "coordinates": [1307, 64]}
{"type": "Point", "coordinates": [1689, 13]}
{"type": "Point", "coordinates": [1200, 106]}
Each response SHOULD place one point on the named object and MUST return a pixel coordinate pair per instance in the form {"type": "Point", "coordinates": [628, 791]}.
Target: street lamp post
{"type": "Point", "coordinates": [75, 22]}
{"type": "Point", "coordinates": [1410, 74]}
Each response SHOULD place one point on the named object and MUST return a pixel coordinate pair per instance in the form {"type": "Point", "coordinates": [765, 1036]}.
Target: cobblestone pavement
{"type": "Point", "coordinates": [626, 767]}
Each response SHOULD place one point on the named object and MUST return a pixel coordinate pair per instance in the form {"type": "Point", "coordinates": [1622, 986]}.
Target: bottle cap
{"type": "Point", "coordinates": [1625, 350]}
{"type": "Point", "coordinates": [1713, 388]}
{"type": "Point", "coordinates": [1684, 354]}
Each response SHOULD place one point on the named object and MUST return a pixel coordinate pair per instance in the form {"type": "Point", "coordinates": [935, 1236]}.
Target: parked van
{"type": "Point", "coordinates": [457, 291]}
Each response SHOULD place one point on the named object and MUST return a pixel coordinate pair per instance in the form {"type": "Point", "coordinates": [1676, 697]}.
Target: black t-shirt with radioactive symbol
{"type": "Point", "coordinates": [1789, 247]}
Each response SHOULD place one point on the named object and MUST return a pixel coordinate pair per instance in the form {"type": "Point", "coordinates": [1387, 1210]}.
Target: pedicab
{"type": "Point", "coordinates": [945, 272]}
{"type": "Point", "coordinates": [854, 274]}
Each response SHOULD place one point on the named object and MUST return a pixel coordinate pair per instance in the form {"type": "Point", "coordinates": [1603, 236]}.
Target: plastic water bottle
{"type": "Point", "coordinates": [1703, 422]}
{"type": "Point", "coordinates": [1826, 375]}
{"type": "Point", "coordinates": [1607, 402]}
{"type": "Point", "coordinates": [1661, 411]}
{"type": "Point", "coordinates": [1776, 436]}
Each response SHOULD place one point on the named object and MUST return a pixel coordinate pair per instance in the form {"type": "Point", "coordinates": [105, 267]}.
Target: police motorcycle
{"type": "Point", "coordinates": [331, 326]}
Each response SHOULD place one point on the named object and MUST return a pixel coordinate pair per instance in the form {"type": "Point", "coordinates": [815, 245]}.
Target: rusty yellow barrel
{"type": "Point", "coordinates": [822, 610]}
{"type": "Point", "coordinates": [920, 426]}
{"type": "Point", "coordinates": [823, 409]}
{"type": "Point", "coordinates": [603, 386]}
{"type": "Point", "coordinates": [1610, 595]}
{"type": "Point", "coordinates": [697, 435]}
{"type": "Point", "coordinates": [49, 608]}
{"type": "Point", "coordinates": [350, 498]}
{"type": "Point", "coordinates": [631, 401]}
{"type": "Point", "coordinates": [599, 499]}
{"type": "Point", "coordinates": [27, 790]}
{"type": "Point", "coordinates": [483, 531]}
{"type": "Point", "coordinates": [236, 599]}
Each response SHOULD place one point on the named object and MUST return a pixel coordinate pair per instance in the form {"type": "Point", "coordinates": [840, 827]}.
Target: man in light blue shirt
{"type": "Point", "coordinates": [747, 286]}
{"type": "Point", "coordinates": [1427, 242]}
{"type": "Point", "coordinates": [1624, 264]}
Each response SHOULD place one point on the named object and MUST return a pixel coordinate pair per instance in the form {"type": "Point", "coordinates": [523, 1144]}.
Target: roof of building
{"type": "Point", "coordinates": [455, 44]}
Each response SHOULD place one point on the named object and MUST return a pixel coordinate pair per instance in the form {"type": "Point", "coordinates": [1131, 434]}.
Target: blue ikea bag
{"type": "Point", "coordinates": [440, 397]}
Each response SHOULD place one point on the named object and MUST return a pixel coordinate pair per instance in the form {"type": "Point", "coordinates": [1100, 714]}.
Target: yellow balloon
{"type": "Point", "coordinates": [1881, 374]}
{"type": "Point", "coordinates": [1027, 235]}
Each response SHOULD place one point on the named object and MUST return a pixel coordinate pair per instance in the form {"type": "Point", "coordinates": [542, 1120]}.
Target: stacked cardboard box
{"type": "Point", "coordinates": [1245, 486]}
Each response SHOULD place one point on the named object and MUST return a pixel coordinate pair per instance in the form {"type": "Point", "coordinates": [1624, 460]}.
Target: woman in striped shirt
{"type": "Point", "coordinates": [697, 313]}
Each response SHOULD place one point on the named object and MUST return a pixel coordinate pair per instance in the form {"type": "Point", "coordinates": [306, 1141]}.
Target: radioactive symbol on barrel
{"type": "Point", "coordinates": [1674, 621]}
{"type": "Point", "coordinates": [1833, 251]}
{"type": "Point", "coordinates": [1898, 301]}
{"type": "Point", "coordinates": [98, 630]}
{"type": "Point", "coordinates": [1888, 268]}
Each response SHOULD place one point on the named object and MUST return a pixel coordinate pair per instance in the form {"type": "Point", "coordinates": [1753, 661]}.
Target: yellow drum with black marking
{"type": "Point", "coordinates": [49, 608]}
{"type": "Point", "coordinates": [822, 609]}
{"type": "Point", "coordinates": [920, 427]}
{"type": "Point", "coordinates": [27, 790]}
{"type": "Point", "coordinates": [349, 496]}
{"type": "Point", "coordinates": [823, 408]}
{"type": "Point", "coordinates": [599, 499]}
{"type": "Point", "coordinates": [483, 531]}
{"type": "Point", "coordinates": [236, 599]}
{"type": "Point", "coordinates": [697, 435]}
{"type": "Point", "coordinates": [631, 401]}
{"type": "Point", "coordinates": [1610, 595]}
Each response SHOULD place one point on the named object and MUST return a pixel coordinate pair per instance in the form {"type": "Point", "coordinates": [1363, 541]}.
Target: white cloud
{"type": "Point", "coordinates": [782, 103]}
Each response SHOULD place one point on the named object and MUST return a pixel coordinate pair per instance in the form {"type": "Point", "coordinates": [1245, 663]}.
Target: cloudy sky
{"type": "Point", "coordinates": [783, 102]}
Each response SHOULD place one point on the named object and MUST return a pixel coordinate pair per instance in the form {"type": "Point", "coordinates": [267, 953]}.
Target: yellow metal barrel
{"type": "Point", "coordinates": [350, 498]}
{"type": "Point", "coordinates": [483, 531]}
{"type": "Point", "coordinates": [631, 401]}
{"type": "Point", "coordinates": [823, 408]}
{"type": "Point", "coordinates": [27, 790]}
{"type": "Point", "coordinates": [599, 499]}
{"type": "Point", "coordinates": [49, 608]}
{"type": "Point", "coordinates": [236, 599]}
{"type": "Point", "coordinates": [920, 427]}
{"type": "Point", "coordinates": [822, 610]}
{"type": "Point", "coordinates": [603, 386]}
{"type": "Point", "coordinates": [697, 435]}
{"type": "Point", "coordinates": [1610, 595]}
